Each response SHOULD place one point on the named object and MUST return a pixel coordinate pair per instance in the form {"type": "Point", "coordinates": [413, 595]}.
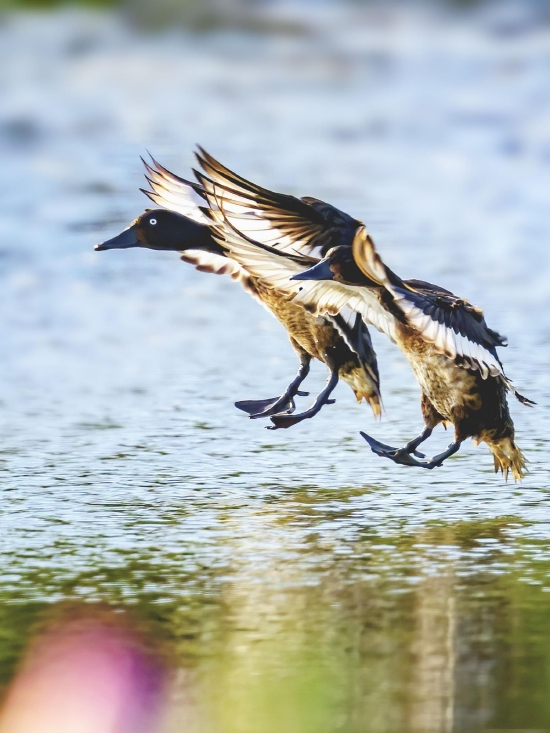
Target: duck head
{"type": "Point", "coordinates": [338, 265]}
{"type": "Point", "coordinates": [162, 230]}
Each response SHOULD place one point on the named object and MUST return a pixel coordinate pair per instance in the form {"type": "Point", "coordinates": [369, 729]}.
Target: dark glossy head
{"type": "Point", "coordinates": [338, 265]}
{"type": "Point", "coordinates": [163, 230]}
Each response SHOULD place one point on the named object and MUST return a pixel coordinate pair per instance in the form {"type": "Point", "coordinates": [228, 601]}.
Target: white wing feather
{"type": "Point", "coordinates": [174, 194]}
{"type": "Point", "coordinates": [319, 297]}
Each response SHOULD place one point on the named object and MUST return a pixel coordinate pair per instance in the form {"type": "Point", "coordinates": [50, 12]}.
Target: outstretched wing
{"type": "Point", "coordinates": [276, 267]}
{"type": "Point", "coordinates": [304, 225]}
{"type": "Point", "coordinates": [174, 193]}
{"type": "Point", "coordinates": [456, 328]}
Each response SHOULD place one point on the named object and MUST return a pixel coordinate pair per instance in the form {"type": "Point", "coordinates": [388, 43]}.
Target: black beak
{"type": "Point", "coordinates": [124, 240]}
{"type": "Point", "coordinates": [320, 271]}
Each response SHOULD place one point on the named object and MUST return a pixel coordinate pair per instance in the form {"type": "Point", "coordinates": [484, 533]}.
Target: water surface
{"type": "Point", "coordinates": [302, 583]}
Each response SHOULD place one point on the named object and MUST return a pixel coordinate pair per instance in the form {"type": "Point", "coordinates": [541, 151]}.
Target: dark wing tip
{"type": "Point", "coordinates": [204, 155]}
{"type": "Point", "coordinates": [201, 156]}
{"type": "Point", "coordinates": [200, 176]}
{"type": "Point", "coordinates": [150, 195]}
{"type": "Point", "coordinates": [208, 213]}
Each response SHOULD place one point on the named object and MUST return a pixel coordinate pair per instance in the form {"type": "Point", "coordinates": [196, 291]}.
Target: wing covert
{"type": "Point", "coordinates": [456, 328]}
{"type": "Point", "coordinates": [280, 220]}
{"type": "Point", "coordinates": [276, 267]}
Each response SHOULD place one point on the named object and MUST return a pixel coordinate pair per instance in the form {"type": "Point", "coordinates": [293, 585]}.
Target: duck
{"type": "Point", "coordinates": [183, 222]}
{"type": "Point", "coordinates": [446, 340]}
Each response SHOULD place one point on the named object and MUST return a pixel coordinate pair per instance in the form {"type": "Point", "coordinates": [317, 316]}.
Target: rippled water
{"type": "Point", "coordinates": [306, 584]}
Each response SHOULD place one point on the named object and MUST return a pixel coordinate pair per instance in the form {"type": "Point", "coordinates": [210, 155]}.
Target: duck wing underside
{"type": "Point", "coordinates": [453, 326]}
{"type": "Point", "coordinates": [305, 225]}
{"type": "Point", "coordinates": [355, 332]}
{"type": "Point", "coordinates": [276, 268]}
{"type": "Point", "coordinates": [456, 328]}
{"type": "Point", "coordinates": [170, 191]}
{"type": "Point", "coordinates": [289, 222]}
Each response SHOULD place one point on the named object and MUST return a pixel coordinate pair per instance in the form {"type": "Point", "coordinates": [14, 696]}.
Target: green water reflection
{"type": "Point", "coordinates": [446, 629]}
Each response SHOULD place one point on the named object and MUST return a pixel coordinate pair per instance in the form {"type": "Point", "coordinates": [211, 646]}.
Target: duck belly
{"type": "Point", "coordinates": [477, 407]}
{"type": "Point", "coordinates": [456, 393]}
{"type": "Point", "coordinates": [453, 391]}
{"type": "Point", "coordinates": [314, 334]}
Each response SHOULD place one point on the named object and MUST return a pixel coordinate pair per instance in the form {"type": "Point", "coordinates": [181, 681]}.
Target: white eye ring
{"type": "Point", "coordinates": [152, 221]}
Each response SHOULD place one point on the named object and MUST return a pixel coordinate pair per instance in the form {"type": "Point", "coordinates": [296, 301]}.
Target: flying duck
{"type": "Point", "coordinates": [186, 225]}
{"type": "Point", "coordinates": [446, 340]}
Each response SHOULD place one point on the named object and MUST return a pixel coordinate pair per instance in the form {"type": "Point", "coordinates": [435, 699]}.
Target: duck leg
{"type": "Point", "coordinates": [287, 421]}
{"type": "Point", "coordinates": [403, 455]}
{"type": "Point", "coordinates": [284, 404]}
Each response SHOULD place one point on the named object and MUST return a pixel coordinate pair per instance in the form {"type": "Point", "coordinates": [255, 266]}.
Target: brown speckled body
{"type": "Point", "coordinates": [318, 337]}
{"type": "Point", "coordinates": [453, 395]}
{"type": "Point", "coordinates": [313, 334]}
{"type": "Point", "coordinates": [459, 396]}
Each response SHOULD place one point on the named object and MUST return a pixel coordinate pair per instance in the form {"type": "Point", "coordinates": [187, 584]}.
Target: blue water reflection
{"type": "Point", "coordinates": [338, 588]}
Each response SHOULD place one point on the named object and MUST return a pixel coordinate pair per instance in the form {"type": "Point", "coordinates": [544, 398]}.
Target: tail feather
{"type": "Point", "coordinates": [508, 457]}
{"type": "Point", "coordinates": [519, 397]}
{"type": "Point", "coordinates": [375, 405]}
{"type": "Point", "coordinates": [524, 400]}
{"type": "Point", "coordinates": [373, 400]}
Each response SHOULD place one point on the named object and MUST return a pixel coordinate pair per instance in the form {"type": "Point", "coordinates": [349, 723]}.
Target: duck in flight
{"type": "Point", "coordinates": [185, 223]}
{"type": "Point", "coordinates": [446, 340]}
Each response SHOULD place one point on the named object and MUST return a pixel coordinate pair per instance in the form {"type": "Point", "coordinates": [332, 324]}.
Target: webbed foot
{"type": "Point", "coordinates": [265, 408]}
{"type": "Point", "coordinates": [403, 456]}
{"type": "Point", "coordinates": [381, 449]}
{"type": "Point", "coordinates": [282, 420]}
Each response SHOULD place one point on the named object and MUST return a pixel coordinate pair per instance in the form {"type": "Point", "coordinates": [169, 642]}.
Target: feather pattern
{"type": "Point", "coordinates": [209, 262]}
{"type": "Point", "coordinates": [456, 328]}
{"type": "Point", "coordinates": [303, 225]}
{"type": "Point", "coordinates": [173, 193]}
{"type": "Point", "coordinates": [276, 268]}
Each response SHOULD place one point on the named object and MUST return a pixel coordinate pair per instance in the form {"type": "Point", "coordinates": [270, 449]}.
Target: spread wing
{"type": "Point", "coordinates": [304, 225]}
{"type": "Point", "coordinates": [276, 267]}
{"type": "Point", "coordinates": [354, 330]}
{"type": "Point", "coordinates": [456, 328]}
{"type": "Point", "coordinates": [171, 192]}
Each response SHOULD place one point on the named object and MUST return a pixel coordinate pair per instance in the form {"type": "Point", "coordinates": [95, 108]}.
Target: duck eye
{"type": "Point", "coordinates": [152, 222]}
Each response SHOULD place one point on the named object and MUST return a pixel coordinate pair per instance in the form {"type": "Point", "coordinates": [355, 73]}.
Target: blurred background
{"type": "Point", "coordinates": [223, 579]}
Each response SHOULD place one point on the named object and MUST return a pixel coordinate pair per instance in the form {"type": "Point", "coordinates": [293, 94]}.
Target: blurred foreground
{"type": "Point", "coordinates": [91, 674]}
{"type": "Point", "coordinates": [284, 581]}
